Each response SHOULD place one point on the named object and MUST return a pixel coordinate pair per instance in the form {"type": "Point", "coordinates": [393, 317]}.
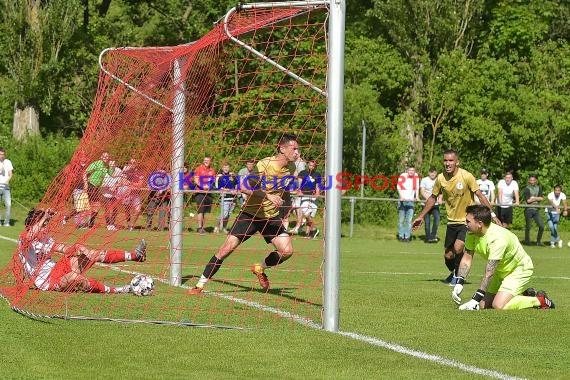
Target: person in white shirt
{"type": "Point", "coordinates": [486, 186]}
{"type": "Point", "coordinates": [426, 188]}
{"type": "Point", "coordinates": [555, 199]}
{"type": "Point", "coordinates": [408, 193]}
{"type": "Point", "coordinates": [6, 170]}
{"type": "Point", "coordinates": [508, 190]}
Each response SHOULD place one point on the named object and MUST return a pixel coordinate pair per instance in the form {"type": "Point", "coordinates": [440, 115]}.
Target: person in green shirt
{"type": "Point", "coordinates": [92, 181]}
{"type": "Point", "coordinates": [508, 271]}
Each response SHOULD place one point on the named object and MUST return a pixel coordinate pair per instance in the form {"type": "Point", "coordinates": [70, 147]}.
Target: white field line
{"type": "Point", "coordinates": [362, 338]}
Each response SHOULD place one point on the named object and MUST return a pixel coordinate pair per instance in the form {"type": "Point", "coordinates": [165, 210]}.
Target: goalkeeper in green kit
{"type": "Point", "coordinates": [508, 271]}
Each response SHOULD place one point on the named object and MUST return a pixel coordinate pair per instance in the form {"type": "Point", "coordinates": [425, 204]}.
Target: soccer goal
{"type": "Point", "coordinates": [265, 69]}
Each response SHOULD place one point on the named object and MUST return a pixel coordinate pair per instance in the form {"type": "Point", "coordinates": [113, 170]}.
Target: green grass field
{"type": "Point", "coordinates": [390, 294]}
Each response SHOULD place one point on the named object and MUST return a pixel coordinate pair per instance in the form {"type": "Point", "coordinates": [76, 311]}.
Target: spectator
{"type": "Point", "coordinates": [226, 181]}
{"type": "Point", "coordinates": [204, 177]}
{"type": "Point", "coordinates": [408, 194]}
{"type": "Point", "coordinates": [108, 190]}
{"type": "Point", "coordinates": [158, 200]}
{"type": "Point", "coordinates": [92, 181]}
{"type": "Point", "coordinates": [81, 213]}
{"type": "Point", "coordinates": [6, 171]}
{"type": "Point", "coordinates": [533, 196]}
{"type": "Point", "coordinates": [487, 187]}
{"type": "Point", "coordinates": [244, 172]}
{"type": "Point", "coordinates": [432, 218]}
{"type": "Point", "coordinates": [555, 199]}
{"type": "Point", "coordinates": [508, 192]}
{"type": "Point", "coordinates": [129, 192]}
{"type": "Point", "coordinates": [309, 184]}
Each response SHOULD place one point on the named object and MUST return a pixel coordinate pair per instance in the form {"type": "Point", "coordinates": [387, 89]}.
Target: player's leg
{"type": "Point", "coordinates": [114, 256]}
{"type": "Point", "coordinates": [273, 232]}
{"type": "Point", "coordinates": [449, 253]}
{"type": "Point", "coordinates": [244, 226]}
{"type": "Point", "coordinates": [510, 294]}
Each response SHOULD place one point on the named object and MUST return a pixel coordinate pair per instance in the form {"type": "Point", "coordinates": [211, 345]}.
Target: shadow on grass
{"type": "Point", "coordinates": [238, 288]}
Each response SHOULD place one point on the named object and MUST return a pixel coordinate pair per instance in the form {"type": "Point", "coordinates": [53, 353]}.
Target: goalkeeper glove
{"type": "Point", "coordinates": [457, 289]}
{"type": "Point", "coordinates": [473, 304]}
{"type": "Point", "coordinates": [470, 305]}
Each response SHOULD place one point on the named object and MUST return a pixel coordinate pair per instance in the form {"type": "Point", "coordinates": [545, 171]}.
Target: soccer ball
{"type": "Point", "coordinates": [142, 285]}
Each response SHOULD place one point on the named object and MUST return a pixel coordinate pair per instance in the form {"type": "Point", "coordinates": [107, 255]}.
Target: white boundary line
{"type": "Point", "coordinates": [362, 338]}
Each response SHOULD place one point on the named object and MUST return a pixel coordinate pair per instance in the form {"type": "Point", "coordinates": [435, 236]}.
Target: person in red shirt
{"type": "Point", "coordinates": [204, 179]}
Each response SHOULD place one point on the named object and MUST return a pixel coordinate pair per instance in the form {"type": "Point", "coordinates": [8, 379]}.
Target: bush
{"type": "Point", "coordinates": [36, 163]}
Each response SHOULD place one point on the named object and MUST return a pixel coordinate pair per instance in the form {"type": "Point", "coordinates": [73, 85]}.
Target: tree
{"type": "Point", "coordinates": [33, 35]}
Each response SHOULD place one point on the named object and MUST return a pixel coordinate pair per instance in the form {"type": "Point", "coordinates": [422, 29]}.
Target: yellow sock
{"type": "Point", "coordinates": [522, 302]}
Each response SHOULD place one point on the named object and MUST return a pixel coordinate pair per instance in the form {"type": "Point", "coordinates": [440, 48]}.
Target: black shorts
{"type": "Point", "coordinates": [285, 208]}
{"type": "Point", "coordinates": [505, 215]}
{"type": "Point", "coordinates": [454, 232]}
{"type": "Point", "coordinates": [204, 202]}
{"type": "Point", "coordinates": [246, 225]}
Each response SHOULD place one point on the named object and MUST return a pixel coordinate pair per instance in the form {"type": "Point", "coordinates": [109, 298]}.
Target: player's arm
{"type": "Point", "coordinates": [489, 273]}
{"type": "Point", "coordinates": [462, 272]}
{"type": "Point", "coordinates": [517, 198]}
{"type": "Point", "coordinates": [565, 204]}
{"type": "Point", "coordinates": [430, 202]}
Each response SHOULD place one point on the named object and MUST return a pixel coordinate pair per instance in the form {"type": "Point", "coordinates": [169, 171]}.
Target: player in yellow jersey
{"type": "Point", "coordinates": [508, 271]}
{"type": "Point", "coordinates": [267, 187]}
{"type": "Point", "coordinates": [458, 187]}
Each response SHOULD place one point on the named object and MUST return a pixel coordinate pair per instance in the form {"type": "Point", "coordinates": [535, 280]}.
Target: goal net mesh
{"type": "Point", "coordinates": [232, 94]}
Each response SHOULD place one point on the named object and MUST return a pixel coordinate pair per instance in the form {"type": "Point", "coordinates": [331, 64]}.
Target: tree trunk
{"type": "Point", "coordinates": [26, 122]}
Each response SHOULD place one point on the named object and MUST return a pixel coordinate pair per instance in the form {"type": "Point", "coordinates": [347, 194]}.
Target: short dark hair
{"type": "Point", "coordinates": [481, 213]}
{"type": "Point", "coordinates": [2, 149]}
{"type": "Point", "coordinates": [432, 169]}
{"type": "Point", "coordinates": [34, 215]}
{"type": "Point", "coordinates": [285, 139]}
{"type": "Point", "coordinates": [532, 176]}
{"type": "Point", "coordinates": [558, 186]}
{"type": "Point", "coordinates": [451, 151]}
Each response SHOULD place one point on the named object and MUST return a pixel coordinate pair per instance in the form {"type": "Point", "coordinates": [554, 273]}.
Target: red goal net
{"type": "Point", "coordinates": [159, 112]}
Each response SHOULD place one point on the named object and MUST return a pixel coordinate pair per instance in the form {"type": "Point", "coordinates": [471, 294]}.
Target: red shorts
{"type": "Point", "coordinates": [63, 267]}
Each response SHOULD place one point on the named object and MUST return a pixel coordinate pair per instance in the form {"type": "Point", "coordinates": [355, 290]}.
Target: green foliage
{"type": "Point", "coordinates": [36, 163]}
{"type": "Point", "coordinates": [489, 79]}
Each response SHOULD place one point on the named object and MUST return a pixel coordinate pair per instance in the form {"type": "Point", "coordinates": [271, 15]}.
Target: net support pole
{"type": "Point", "coordinates": [177, 191]}
{"type": "Point", "coordinates": [334, 165]}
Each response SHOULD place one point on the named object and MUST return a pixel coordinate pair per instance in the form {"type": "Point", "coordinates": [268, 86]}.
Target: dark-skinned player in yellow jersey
{"type": "Point", "coordinates": [459, 188]}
